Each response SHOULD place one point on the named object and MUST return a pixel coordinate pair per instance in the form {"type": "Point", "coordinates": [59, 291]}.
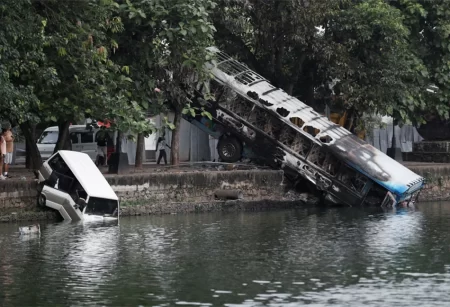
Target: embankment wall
{"type": "Point", "coordinates": [437, 187]}
{"type": "Point", "coordinates": [162, 193]}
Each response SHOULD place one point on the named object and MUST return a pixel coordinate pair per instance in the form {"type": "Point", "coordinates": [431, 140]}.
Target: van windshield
{"type": "Point", "coordinates": [102, 206]}
{"type": "Point", "coordinates": [48, 137]}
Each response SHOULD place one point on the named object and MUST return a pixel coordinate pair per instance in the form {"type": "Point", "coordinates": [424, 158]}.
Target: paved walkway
{"type": "Point", "coordinates": [19, 172]}
{"type": "Point", "coordinates": [426, 165]}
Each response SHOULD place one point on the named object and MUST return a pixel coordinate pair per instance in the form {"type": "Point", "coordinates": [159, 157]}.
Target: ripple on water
{"type": "Point", "coordinates": [287, 258]}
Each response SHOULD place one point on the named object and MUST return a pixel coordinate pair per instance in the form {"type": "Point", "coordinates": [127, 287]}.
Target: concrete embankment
{"type": "Point", "coordinates": [164, 193]}
{"type": "Point", "coordinates": [437, 175]}
{"type": "Point", "coordinates": [193, 191]}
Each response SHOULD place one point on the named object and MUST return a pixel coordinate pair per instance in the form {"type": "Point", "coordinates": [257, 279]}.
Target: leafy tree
{"type": "Point", "coordinates": [279, 39]}
{"type": "Point", "coordinates": [78, 50]}
{"type": "Point", "coordinates": [362, 48]}
{"type": "Point", "coordinates": [22, 37]}
{"type": "Point", "coordinates": [429, 24]}
{"type": "Point", "coordinates": [164, 47]}
{"type": "Point", "coordinates": [62, 72]}
{"type": "Point", "coordinates": [376, 67]}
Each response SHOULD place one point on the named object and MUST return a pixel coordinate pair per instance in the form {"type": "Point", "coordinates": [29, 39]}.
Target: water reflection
{"type": "Point", "coordinates": [315, 256]}
{"type": "Point", "coordinates": [386, 234]}
{"type": "Point", "coordinates": [91, 260]}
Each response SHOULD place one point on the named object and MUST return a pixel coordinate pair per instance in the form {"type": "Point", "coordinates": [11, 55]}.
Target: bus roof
{"type": "Point", "coordinates": [87, 174]}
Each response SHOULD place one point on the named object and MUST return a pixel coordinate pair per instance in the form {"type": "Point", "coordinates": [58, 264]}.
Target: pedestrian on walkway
{"type": "Point", "coordinates": [9, 140]}
{"type": "Point", "coordinates": [102, 139]}
{"type": "Point", "coordinates": [2, 156]}
{"type": "Point", "coordinates": [162, 149]}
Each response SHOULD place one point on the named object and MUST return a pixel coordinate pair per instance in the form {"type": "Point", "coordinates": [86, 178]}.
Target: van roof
{"type": "Point", "coordinates": [55, 128]}
{"type": "Point", "coordinates": [87, 174]}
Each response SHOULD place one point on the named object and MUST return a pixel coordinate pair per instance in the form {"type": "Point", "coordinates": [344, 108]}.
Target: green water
{"type": "Point", "coordinates": [318, 257]}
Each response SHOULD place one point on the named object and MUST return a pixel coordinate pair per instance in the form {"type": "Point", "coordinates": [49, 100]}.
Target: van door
{"type": "Point", "coordinates": [75, 139]}
{"type": "Point", "coordinates": [89, 146]}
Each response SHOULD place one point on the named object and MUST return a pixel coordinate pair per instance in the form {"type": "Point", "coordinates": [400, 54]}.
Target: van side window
{"type": "Point", "coordinates": [74, 137]}
{"type": "Point", "coordinates": [87, 137]}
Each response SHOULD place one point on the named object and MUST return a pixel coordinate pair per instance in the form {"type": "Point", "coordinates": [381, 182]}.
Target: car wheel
{"type": "Point", "coordinates": [41, 200]}
{"type": "Point", "coordinates": [229, 149]}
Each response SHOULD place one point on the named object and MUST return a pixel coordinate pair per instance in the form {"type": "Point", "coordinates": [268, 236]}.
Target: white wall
{"type": "Point", "coordinates": [194, 143]}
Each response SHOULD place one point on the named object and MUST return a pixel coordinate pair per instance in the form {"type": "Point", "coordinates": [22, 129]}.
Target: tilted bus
{"type": "Point", "coordinates": [253, 117]}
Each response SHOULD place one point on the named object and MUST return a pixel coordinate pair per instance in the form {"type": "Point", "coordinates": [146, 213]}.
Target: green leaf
{"type": "Point", "coordinates": [62, 51]}
{"type": "Point", "coordinates": [126, 69]}
{"type": "Point", "coordinates": [207, 114]}
{"type": "Point", "coordinates": [142, 14]}
{"type": "Point", "coordinates": [183, 32]}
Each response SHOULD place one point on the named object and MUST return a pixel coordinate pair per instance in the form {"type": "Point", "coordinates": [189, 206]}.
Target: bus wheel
{"type": "Point", "coordinates": [230, 149]}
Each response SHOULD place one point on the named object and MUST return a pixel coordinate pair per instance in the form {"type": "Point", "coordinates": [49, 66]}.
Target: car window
{"type": "Point", "coordinates": [87, 137]}
{"type": "Point", "coordinates": [48, 137]}
{"type": "Point", "coordinates": [74, 138]}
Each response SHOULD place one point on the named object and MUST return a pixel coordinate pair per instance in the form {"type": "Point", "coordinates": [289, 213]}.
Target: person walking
{"type": "Point", "coordinates": [9, 140]}
{"type": "Point", "coordinates": [162, 149]}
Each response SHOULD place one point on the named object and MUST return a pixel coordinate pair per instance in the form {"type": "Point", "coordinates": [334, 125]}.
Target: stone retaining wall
{"type": "Point", "coordinates": [196, 187]}
{"type": "Point", "coordinates": [161, 193]}
{"type": "Point", "coordinates": [437, 187]}
{"type": "Point", "coordinates": [193, 191]}
{"type": "Point", "coordinates": [17, 195]}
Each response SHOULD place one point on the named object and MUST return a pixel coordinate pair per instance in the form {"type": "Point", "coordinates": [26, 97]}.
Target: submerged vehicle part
{"type": "Point", "coordinates": [287, 134]}
{"type": "Point", "coordinates": [70, 183]}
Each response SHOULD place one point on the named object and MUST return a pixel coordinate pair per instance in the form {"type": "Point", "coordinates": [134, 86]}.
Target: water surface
{"type": "Point", "coordinates": [314, 256]}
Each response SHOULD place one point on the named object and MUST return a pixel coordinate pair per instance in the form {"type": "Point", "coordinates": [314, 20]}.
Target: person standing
{"type": "Point", "coordinates": [2, 156]}
{"type": "Point", "coordinates": [162, 149]}
{"type": "Point", "coordinates": [102, 141]}
{"type": "Point", "coordinates": [9, 140]}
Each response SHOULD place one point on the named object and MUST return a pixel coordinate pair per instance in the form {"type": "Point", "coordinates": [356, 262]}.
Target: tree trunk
{"type": "Point", "coordinates": [139, 150]}
{"type": "Point", "coordinates": [32, 149]}
{"type": "Point", "coordinates": [63, 142]}
{"type": "Point", "coordinates": [28, 159]}
{"type": "Point", "coordinates": [175, 144]}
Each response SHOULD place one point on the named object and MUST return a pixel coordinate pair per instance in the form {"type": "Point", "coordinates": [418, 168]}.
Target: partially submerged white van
{"type": "Point", "coordinates": [71, 183]}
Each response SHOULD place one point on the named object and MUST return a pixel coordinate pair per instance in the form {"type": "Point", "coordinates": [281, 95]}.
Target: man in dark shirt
{"type": "Point", "coordinates": [102, 141]}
